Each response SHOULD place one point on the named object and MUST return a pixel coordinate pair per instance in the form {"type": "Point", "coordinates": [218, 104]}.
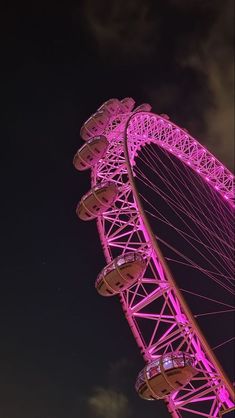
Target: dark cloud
{"type": "Point", "coordinates": [107, 403]}
{"type": "Point", "coordinates": [120, 26]}
{"type": "Point", "coordinates": [199, 89]}
{"type": "Point", "coordinates": [109, 399]}
{"type": "Point", "coordinates": [214, 60]}
{"type": "Point", "coordinates": [194, 4]}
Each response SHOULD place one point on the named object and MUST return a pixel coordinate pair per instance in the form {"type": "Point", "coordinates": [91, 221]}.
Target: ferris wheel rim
{"type": "Point", "coordinates": [157, 250]}
{"type": "Point", "coordinates": [226, 189]}
{"type": "Point", "coordinates": [118, 236]}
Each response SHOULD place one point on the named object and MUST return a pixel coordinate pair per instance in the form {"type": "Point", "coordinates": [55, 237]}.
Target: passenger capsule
{"type": "Point", "coordinates": [97, 201]}
{"type": "Point", "coordinates": [95, 125]}
{"type": "Point", "coordinates": [111, 106]}
{"type": "Point", "coordinates": [90, 153]}
{"type": "Point", "coordinates": [127, 104]}
{"type": "Point", "coordinates": [165, 375]}
{"type": "Point", "coordinates": [165, 116]}
{"type": "Point", "coordinates": [145, 107]}
{"type": "Point", "coordinates": [120, 274]}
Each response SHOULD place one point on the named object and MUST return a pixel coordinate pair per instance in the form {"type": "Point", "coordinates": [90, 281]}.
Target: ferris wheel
{"type": "Point", "coordinates": [147, 173]}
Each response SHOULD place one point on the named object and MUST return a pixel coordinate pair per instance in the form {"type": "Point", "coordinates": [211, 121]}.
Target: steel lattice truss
{"type": "Point", "coordinates": [153, 311]}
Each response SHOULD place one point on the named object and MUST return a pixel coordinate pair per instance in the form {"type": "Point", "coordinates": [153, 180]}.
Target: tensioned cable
{"type": "Point", "coordinates": [148, 183]}
{"type": "Point", "coordinates": [223, 343]}
{"type": "Point", "coordinates": [206, 298]}
{"type": "Point", "coordinates": [196, 247]}
{"type": "Point", "coordinates": [175, 229]}
{"type": "Point", "coordinates": [174, 204]}
{"type": "Point", "coordinates": [181, 181]}
{"type": "Point", "coordinates": [181, 232]}
{"type": "Point", "coordinates": [210, 224]}
{"type": "Point", "coordinates": [187, 213]}
{"type": "Point", "coordinates": [214, 313]}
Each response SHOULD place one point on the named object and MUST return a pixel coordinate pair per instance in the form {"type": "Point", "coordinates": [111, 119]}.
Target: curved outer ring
{"type": "Point", "coordinates": [217, 173]}
{"type": "Point", "coordinates": [168, 274]}
{"type": "Point", "coordinates": [197, 156]}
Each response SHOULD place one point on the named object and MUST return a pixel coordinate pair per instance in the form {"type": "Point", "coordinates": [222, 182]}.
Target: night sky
{"type": "Point", "coordinates": [65, 351]}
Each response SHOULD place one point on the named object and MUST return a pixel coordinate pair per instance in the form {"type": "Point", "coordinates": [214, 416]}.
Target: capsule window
{"type": "Point", "coordinates": [164, 391]}
{"type": "Point", "coordinates": [98, 191]}
{"type": "Point", "coordinates": [130, 276]}
{"type": "Point", "coordinates": [172, 373]}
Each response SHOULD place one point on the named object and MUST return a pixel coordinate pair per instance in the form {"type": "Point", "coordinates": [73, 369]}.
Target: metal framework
{"type": "Point", "coordinates": [155, 300]}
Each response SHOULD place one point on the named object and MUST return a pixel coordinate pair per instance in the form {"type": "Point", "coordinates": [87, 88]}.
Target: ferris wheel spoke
{"type": "Point", "coordinates": [191, 263]}
{"type": "Point", "coordinates": [176, 182]}
{"type": "Point", "coordinates": [180, 231]}
{"type": "Point", "coordinates": [189, 214]}
{"type": "Point", "coordinates": [206, 271]}
{"type": "Point", "coordinates": [180, 179]}
{"type": "Point", "coordinates": [190, 244]}
{"type": "Point", "coordinates": [170, 180]}
{"type": "Point", "coordinates": [196, 266]}
{"type": "Point", "coordinates": [207, 298]}
{"type": "Point", "coordinates": [206, 204]}
{"type": "Point", "coordinates": [223, 343]}
{"type": "Point", "coordinates": [179, 208]}
{"type": "Point", "coordinates": [214, 313]}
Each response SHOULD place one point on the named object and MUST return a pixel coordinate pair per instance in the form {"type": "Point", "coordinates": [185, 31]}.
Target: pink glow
{"type": "Point", "coordinates": [144, 127]}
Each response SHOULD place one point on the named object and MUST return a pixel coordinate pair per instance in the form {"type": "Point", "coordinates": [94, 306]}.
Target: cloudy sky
{"type": "Point", "coordinates": [65, 352]}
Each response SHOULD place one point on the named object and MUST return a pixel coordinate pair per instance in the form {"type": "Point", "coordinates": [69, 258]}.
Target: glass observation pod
{"type": "Point", "coordinates": [120, 274]}
{"type": "Point", "coordinates": [165, 375]}
{"type": "Point", "coordinates": [95, 125]}
{"type": "Point", "coordinates": [90, 153]}
{"type": "Point", "coordinates": [165, 116]}
{"type": "Point", "coordinates": [145, 107]}
{"type": "Point", "coordinates": [112, 106]}
{"type": "Point", "coordinates": [97, 200]}
{"type": "Point", "coordinates": [127, 104]}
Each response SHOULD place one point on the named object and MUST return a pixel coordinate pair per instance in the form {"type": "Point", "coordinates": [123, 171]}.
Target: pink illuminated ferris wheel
{"type": "Point", "coordinates": [164, 210]}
